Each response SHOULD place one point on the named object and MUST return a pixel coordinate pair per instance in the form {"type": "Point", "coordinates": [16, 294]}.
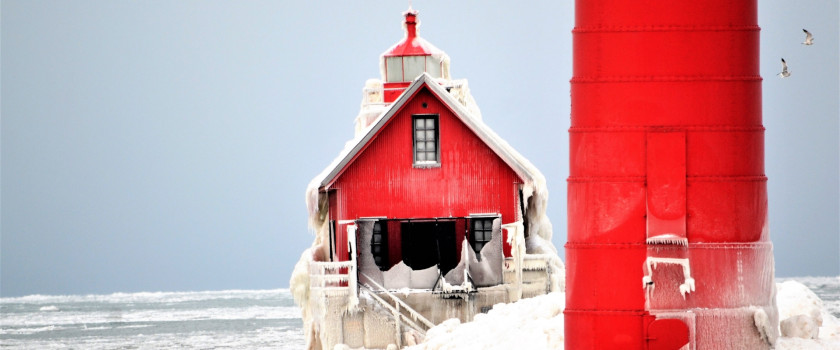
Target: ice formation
{"type": "Point", "coordinates": [533, 323]}
{"type": "Point", "coordinates": [537, 323]}
{"type": "Point", "coordinates": [650, 264]}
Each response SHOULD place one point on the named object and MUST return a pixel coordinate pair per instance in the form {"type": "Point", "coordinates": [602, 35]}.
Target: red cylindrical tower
{"type": "Point", "coordinates": [667, 240]}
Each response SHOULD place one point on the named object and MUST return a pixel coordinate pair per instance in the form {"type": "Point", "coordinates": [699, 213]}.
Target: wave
{"type": "Point", "coordinates": [29, 330]}
{"type": "Point", "coordinates": [148, 297]}
{"type": "Point", "coordinates": [148, 315]}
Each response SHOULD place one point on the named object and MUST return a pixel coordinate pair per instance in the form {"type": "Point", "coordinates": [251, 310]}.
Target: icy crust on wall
{"type": "Point", "coordinates": [537, 323]}
{"type": "Point", "coordinates": [484, 273]}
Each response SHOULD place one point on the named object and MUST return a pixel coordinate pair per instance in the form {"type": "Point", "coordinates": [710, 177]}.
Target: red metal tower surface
{"type": "Point", "coordinates": [667, 239]}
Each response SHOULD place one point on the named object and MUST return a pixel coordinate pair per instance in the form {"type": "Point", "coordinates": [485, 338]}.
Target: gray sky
{"type": "Point", "coordinates": [166, 145]}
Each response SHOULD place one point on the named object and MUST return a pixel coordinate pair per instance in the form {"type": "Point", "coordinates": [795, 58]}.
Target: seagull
{"type": "Point", "coordinates": [809, 39]}
{"type": "Point", "coordinates": [784, 73]}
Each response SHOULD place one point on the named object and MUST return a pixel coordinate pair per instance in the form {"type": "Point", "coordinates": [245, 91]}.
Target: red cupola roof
{"type": "Point", "coordinates": [411, 45]}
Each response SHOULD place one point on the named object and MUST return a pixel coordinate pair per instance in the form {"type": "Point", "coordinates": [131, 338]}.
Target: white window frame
{"type": "Point", "coordinates": [425, 163]}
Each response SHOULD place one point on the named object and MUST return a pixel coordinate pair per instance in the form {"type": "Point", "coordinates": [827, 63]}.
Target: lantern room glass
{"type": "Point", "coordinates": [408, 68]}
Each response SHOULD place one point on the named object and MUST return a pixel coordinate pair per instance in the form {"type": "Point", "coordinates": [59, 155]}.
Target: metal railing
{"type": "Point", "coordinates": [398, 302]}
{"type": "Point", "coordinates": [331, 277]}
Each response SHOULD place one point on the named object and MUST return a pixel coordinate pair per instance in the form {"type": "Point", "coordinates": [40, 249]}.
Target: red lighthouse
{"type": "Point", "coordinates": [668, 245]}
{"type": "Point", "coordinates": [425, 215]}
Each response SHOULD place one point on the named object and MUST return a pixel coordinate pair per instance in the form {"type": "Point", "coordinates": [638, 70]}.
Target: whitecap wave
{"type": "Point", "coordinates": [149, 297]}
{"type": "Point", "coordinates": [153, 315]}
{"type": "Point", "coordinates": [49, 308]}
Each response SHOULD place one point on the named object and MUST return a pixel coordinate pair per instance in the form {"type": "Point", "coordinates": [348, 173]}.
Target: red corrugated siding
{"type": "Point", "coordinates": [382, 180]}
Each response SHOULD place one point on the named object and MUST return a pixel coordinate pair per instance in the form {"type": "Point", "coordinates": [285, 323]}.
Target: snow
{"type": "Point", "coordinates": [533, 323]}
{"type": "Point", "coordinates": [805, 323]}
{"type": "Point", "coordinates": [537, 323]}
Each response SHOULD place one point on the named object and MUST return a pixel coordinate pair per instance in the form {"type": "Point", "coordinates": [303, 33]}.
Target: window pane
{"type": "Point", "coordinates": [430, 123]}
{"type": "Point", "coordinates": [418, 123]}
{"type": "Point", "coordinates": [394, 69]}
{"type": "Point", "coordinates": [414, 66]}
{"type": "Point", "coordinates": [477, 225]}
{"type": "Point", "coordinates": [420, 135]}
{"type": "Point", "coordinates": [479, 246]}
{"type": "Point", "coordinates": [376, 249]}
{"type": "Point", "coordinates": [430, 145]}
{"type": "Point", "coordinates": [488, 224]}
{"type": "Point", "coordinates": [430, 135]}
{"type": "Point", "coordinates": [377, 238]}
{"type": "Point", "coordinates": [433, 67]}
{"type": "Point", "coordinates": [421, 146]}
{"type": "Point", "coordinates": [421, 156]}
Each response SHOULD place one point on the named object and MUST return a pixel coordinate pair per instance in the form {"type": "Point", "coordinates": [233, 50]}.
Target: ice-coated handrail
{"type": "Point", "coordinates": [398, 316]}
{"type": "Point", "coordinates": [414, 314]}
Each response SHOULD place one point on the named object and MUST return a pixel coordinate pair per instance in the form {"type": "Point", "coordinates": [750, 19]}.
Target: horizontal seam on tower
{"type": "Point", "coordinates": [728, 245]}
{"type": "Point", "coordinates": [634, 128]}
{"type": "Point", "coordinates": [664, 78]}
{"type": "Point", "coordinates": [579, 179]}
{"type": "Point", "coordinates": [734, 178]}
{"type": "Point", "coordinates": [604, 245]}
{"type": "Point", "coordinates": [601, 311]}
{"type": "Point", "coordinates": [665, 28]}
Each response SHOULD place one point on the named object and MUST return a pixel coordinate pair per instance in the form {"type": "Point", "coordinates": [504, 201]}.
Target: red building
{"type": "Point", "coordinates": [427, 173]}
{"type": "Point", "coordinates": [425, 198]}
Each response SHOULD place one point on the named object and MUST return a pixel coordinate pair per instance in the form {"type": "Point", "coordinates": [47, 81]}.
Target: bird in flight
{"type": "Point", "coordinates": [809, 39]}
{"type": "Point", "coordinates": [785, 73]}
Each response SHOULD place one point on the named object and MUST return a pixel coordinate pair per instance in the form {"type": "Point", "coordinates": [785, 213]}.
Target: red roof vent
{"type": "Point", "coordinates": [409, 46]}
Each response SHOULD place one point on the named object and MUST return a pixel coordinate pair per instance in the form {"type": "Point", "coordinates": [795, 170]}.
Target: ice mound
{"type": "Point", "coordinates": [537, 323]}
{"type": "Point", "coordinates": [799, 326]}
{"type": "Point", "coordinates": [794, 299]}
{"type": "Point", "coordinates": [805, 324]}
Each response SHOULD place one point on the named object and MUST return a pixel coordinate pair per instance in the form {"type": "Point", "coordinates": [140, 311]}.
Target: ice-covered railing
{"type": "Point", "coordinates": [415, 316]}
{"type": "Point", "coordinates": [537, 262]}
{"type": "Point", "coordinates": [332, 278]}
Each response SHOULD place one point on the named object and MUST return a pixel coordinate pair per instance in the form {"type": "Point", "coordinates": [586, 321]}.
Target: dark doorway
{"type": "Point", "coordinates": [429, 243]}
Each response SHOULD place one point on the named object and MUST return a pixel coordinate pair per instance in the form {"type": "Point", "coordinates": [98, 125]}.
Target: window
{"type": "Point", "coordinates": [481, 234]}
{"type": "Point", "coordinates": [414, 66]}
{"type": "Point", "coordinates": [408, 68]}
{"type": "Point", "coordinates": [394, 69]}
{"type": "Point", "coordinates": [379, 245]}
{"type": "Point", "coordinates": [426, 139]}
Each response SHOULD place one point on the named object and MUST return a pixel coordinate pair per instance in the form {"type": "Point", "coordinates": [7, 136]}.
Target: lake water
{"type": "Point", "coordinates": [237, 319]}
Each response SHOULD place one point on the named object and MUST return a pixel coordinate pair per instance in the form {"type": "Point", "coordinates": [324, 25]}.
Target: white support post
{"type": "Point", "coordinates": [352, 276]}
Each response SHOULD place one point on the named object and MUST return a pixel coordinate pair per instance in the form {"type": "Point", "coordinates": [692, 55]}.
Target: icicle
{"type": "Point", "coordinates": [668, 238]}
{"type": "Point", "coordinates": [651, 262]}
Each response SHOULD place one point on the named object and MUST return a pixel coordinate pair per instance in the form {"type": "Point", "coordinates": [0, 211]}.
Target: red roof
{"type": "Point", "coordinates": [411, 45]}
